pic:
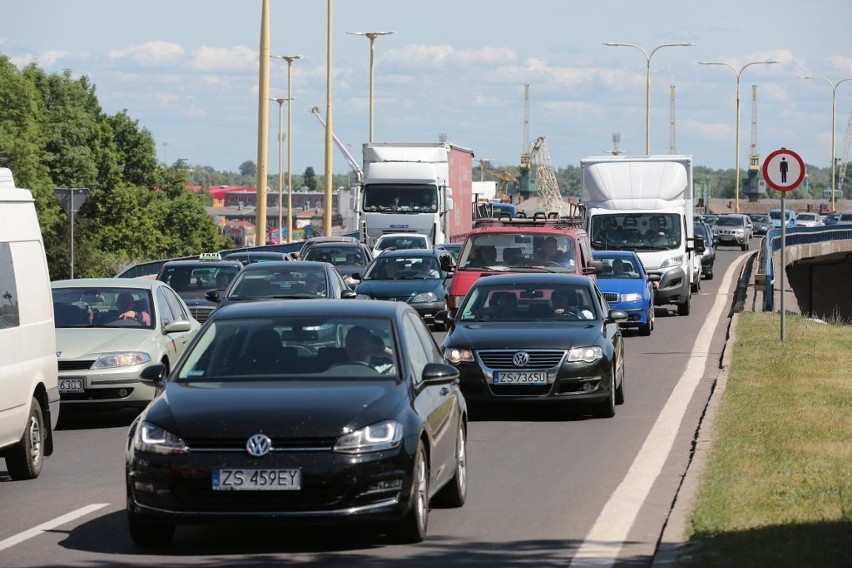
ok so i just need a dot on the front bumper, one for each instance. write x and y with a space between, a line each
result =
673 287
108 388
333 486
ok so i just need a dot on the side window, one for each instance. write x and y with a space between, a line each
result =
166 313
9 301
176 306
417 354
429 345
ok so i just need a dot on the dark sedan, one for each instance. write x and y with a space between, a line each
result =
538 336
193 279
348 258
419 277
262 420
284 280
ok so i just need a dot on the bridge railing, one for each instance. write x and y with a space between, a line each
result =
771 244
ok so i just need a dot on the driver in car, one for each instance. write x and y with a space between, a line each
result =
360 347
127 309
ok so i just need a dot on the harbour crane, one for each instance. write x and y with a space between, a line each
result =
359 174
550 197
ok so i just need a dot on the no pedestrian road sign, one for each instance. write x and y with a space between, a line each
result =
783 170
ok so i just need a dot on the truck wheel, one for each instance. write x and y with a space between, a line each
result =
684 308
24 459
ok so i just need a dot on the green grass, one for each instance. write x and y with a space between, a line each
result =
777 489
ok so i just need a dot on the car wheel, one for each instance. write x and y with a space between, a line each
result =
454 493
744 246
710 274
684 308
412 528
696 285
146 531
649 326
24 459
619 392
606 408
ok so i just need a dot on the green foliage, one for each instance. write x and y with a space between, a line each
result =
248 169
310 179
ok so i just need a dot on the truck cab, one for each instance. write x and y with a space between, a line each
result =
519 244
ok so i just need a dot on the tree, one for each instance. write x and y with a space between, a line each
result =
310 179
248 169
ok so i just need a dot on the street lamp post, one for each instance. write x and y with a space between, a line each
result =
648 57
738 73
833 122
281 102
372 37
289 59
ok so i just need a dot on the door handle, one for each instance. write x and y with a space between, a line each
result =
445 391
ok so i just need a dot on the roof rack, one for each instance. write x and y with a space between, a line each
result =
538 219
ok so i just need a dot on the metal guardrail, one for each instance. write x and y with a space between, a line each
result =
765 275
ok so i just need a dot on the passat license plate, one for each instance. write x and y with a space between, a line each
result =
72 384
520 378
257 479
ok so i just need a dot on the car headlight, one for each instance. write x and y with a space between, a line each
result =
585 354
374 438
123 359
456 356
424 298
673 261
631 297
153 439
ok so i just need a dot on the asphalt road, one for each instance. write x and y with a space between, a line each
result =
548 486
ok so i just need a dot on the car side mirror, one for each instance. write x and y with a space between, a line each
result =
212 296
439 373
445 317
654 277
616 316
154 375
593 267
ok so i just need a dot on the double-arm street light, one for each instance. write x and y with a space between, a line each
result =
833 121
372 37
648 56
289 59
738 73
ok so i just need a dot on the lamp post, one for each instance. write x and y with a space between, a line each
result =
289 59
738 73
281 102
372 37
833 121
648 56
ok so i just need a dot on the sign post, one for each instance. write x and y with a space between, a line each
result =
783 171
71 205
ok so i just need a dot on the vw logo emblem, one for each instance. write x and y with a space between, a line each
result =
259 445
521 359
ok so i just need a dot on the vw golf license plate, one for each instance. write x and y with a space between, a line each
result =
257 479
520 378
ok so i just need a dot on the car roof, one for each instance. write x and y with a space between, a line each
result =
198 262
614 253
533 278
336 244
316 308
409 253
286 265
144 283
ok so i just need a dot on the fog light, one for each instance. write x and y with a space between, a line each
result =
384 486
123 393
588 387
143 486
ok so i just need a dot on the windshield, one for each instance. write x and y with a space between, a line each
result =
197 279
636 231
345 348
401 242
775 214
279 283
504 250
400 198
730 221
337 255
403 268
544 302
103 307
621 268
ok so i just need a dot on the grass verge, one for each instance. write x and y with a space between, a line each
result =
777 488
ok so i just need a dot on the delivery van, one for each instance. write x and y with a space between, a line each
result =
29 390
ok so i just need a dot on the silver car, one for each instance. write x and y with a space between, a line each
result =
108 330
808 219
733 229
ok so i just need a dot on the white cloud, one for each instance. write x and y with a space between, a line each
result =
157 52
237 58
707 130
47 59
579 111
440 55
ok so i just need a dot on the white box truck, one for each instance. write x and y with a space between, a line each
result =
29 391
423 188
645 204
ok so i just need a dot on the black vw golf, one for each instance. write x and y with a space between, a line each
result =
303 410
538 336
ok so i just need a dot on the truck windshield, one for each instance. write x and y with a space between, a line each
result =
636 231
400 198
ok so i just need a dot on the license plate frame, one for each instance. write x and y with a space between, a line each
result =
535 378
72 385
256 479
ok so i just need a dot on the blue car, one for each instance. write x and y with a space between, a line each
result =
626 286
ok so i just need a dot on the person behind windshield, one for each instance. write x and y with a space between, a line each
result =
618 268
389 271
656 230
486 255
502 307
428 202
609 231
127 309
360 346
565 302
395 204
549 251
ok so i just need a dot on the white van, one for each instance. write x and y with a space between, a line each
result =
29 391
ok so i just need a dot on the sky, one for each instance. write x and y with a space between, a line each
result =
188 71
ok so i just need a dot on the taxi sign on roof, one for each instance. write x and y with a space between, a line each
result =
210 256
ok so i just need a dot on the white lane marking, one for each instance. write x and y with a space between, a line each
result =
49 525
605 539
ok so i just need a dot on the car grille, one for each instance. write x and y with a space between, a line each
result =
76 365
278 444
539 358
200 314
610 296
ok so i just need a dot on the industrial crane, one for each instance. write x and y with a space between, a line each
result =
504 178
545 178
359 174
